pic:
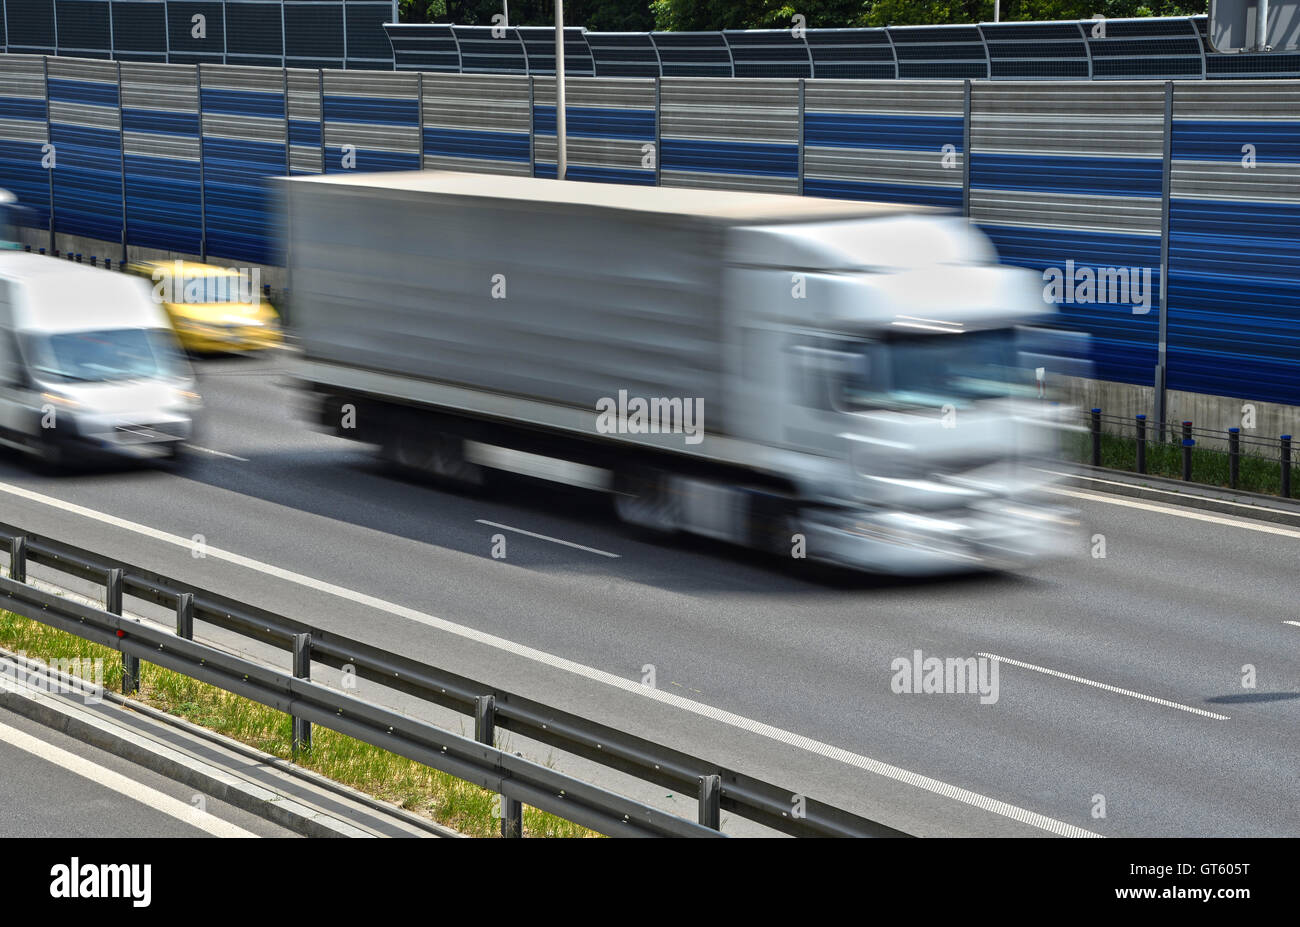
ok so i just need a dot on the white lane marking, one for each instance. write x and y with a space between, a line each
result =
1106 686
543 537
956 793
1172 510
150 797
208 450
1295 623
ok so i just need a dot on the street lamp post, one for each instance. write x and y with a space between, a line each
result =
561 155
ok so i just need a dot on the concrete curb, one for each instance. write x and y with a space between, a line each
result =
56 713
1191 495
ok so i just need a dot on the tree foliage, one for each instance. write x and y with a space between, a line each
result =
687 15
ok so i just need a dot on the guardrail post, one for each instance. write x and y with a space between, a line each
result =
301 670
1095 428
1141 444
185 615
1234 456
711 801
1286 466
113 604
485 732
18 559
1188 444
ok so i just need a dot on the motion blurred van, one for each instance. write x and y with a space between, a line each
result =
89 365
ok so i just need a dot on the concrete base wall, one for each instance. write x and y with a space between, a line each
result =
1214 413
88 247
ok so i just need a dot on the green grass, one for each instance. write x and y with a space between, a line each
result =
1210 467
387 776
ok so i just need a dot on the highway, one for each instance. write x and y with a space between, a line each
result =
1120 688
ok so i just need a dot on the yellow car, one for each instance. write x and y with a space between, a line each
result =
212 308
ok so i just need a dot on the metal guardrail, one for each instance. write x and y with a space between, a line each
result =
475 760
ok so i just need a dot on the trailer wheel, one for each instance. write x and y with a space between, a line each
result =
642 500
439 456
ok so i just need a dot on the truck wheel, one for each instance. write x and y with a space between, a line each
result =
773 524
642 499
439 456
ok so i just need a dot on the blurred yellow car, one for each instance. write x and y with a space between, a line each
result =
212 309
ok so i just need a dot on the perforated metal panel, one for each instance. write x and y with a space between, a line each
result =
24 130
477 123
730 135
896 141
371 121
610 131
306 138
161 147
1067 179
245 137
85 130
1234 240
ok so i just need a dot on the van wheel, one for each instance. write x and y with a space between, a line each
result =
642 499
51 455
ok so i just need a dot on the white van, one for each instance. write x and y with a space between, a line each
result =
89 364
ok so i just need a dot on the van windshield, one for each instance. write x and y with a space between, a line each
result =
112 354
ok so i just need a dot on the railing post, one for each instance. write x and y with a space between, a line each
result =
1286 466
1095 428
1188 444
18 559
1141 444
485 732
185 615
711 801
113 604
1234 456
301 670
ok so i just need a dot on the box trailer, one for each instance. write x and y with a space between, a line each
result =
827 379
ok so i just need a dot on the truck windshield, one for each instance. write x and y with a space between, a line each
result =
112 354
935 370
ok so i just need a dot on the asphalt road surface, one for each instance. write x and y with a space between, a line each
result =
55 786
1120 709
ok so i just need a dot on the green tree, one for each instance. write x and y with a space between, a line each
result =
596 15
681 15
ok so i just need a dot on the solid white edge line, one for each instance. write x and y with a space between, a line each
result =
208 450
1106 686
123 785
1295 623
1172 510
935 786
543 537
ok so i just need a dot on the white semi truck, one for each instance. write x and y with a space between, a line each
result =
834 380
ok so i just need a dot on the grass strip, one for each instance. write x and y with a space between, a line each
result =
1209 467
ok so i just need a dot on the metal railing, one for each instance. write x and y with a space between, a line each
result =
518 780
1144 432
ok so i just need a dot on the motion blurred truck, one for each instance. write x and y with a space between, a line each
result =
831 380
